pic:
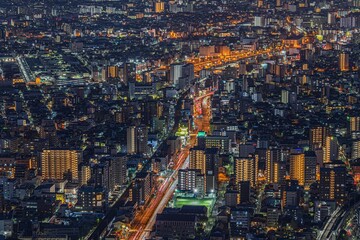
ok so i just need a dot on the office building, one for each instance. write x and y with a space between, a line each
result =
91 198
178 226
8 188
220 142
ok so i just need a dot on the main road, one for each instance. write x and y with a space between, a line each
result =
143 223
234 56
335 222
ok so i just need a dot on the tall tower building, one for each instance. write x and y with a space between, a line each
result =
297 168
245 170
355 149
285 96
137 139
331 18
275 167
318 136
260 157
333 183
142 139
344 62
244 191
84 174
211 169
131 140
354 124
181 74
128 72
197 159
331 149
159 7
141 188
56 163
118 165
310 168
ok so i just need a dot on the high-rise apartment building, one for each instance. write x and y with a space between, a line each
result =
119 166
355 149
344 62
211 169
331 149
297 168
159 7
131 142
245 170
354 124
181 75
137 140
310 168
191 180
275 168
197 159
333 183
141 188
318 136
84 174
55 163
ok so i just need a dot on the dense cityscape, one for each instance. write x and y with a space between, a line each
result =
180 119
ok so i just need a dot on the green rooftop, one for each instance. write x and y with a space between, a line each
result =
201 134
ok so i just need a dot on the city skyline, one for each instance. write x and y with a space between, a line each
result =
180 119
